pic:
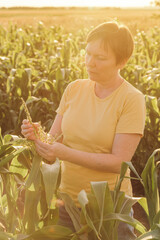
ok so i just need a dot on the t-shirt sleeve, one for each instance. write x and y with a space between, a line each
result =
132 118
64 101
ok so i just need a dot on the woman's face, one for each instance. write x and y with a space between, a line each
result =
100 62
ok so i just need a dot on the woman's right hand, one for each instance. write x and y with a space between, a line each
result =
29 130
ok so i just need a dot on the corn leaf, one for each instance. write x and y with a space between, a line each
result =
128 203
154 234
84 201
156 218
126 219
5 150
124 168
1 138
50 173
30 210
149 177
75 237
105 203
53 232
75 215
6 236
143 203
18 168
35 170
8 158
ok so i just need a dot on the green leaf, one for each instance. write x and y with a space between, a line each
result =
143 203
83 200
1 138
6 236
50 173
25 159
149 177
42 83
5 160
156 219
5 150
128 204
53 232
35 170
75 237
104 199
126 219
30 210
72 210
16 167
21 236
118 202
154 234
124 167
132 168
7 138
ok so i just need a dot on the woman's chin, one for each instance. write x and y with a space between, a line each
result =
91 77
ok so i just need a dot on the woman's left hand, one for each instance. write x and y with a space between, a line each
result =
47 151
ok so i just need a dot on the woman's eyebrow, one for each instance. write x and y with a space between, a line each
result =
97 54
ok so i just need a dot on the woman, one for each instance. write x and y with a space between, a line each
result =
101 118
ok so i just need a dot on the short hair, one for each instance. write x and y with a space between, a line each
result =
117 36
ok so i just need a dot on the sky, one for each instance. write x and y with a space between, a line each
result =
89 3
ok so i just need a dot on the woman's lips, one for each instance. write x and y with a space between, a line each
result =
90 71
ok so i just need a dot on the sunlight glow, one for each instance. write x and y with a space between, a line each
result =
89 3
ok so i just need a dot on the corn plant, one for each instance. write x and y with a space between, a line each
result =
101 212
40 180
150 203
102 209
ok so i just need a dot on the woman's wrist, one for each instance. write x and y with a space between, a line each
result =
60 150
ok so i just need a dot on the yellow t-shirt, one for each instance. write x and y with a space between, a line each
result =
90 124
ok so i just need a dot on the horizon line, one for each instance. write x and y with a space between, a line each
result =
72 6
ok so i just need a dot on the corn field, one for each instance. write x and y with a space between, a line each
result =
36 64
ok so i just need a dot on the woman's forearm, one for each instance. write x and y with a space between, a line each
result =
96 161
123 149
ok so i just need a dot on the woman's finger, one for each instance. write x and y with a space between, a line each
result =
26 126
41 146
42 151
27 130
36 125
40 143
25 121
27 133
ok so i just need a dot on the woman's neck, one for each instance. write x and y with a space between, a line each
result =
103 90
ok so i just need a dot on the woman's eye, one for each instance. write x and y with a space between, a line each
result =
101 58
